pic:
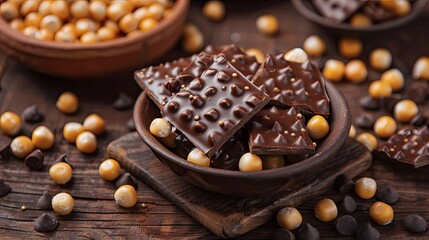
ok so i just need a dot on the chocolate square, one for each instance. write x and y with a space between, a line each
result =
290 84
279 132
338 10
211 108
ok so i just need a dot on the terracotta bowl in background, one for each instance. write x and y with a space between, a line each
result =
95 60
249 183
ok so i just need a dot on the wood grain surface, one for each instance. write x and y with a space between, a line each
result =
96 216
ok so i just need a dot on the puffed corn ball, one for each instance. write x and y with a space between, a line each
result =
296 55
250 162
360 20
214 10
63 203
198 157
42 137
394 78
381 213
326 210
365 187
109 169
352 132
289 218
267 24
405 110
10 123
355 71
71 130
126 196
314 46
385 126
333 70
9 10
258 54
350 47
380 59
86 142
317 127
94 123
379 89
61 173
368 140
21 146
160 127
192 40
421 69
68 103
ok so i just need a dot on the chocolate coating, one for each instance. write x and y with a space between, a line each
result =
32 115
230 153
308 232
338 10
45 201
45 223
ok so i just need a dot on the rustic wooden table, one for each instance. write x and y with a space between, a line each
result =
96 216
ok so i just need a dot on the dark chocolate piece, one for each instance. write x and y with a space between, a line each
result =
280 132
369 103
283 234
45 223
420 120
410 146
376 12
387 194
32 115
4 188
123 102
62 158
131 125
211 108
126 179
308 232
415 223
293 85
365 121
45 201
418 92
367 232
347 204
388 103
344 184
230 153
183 145
154 79
34 160
337 10
346 225
4 149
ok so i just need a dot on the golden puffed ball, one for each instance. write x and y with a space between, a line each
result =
388 4
192 40
155 11
30 31
71 130
109 169
116 11
360 20
385 126
9 10
140 14
17 24
214 10
317 127
267 24
94 123
355 71
67 102
29 7
106 33
21 146
250 162
60 8
63 203
86 142
334 70
379 89
380 59
350 47
365 187
368 140
128 23
45 35
89 38
297 55
272 161
134 33
61 173
65 36
169 141
97 10
79 9
126 196
10 123
381 213
51 23
314 46
33 19
402 8
352 132
112 25
394 78
42 137
44 7
326 210
85 25
289 218
196 156
405 110
421 69
147 24
258 54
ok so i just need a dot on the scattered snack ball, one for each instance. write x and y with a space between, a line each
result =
380 59
368 140
415 223
352 132
394 78
289 218
86 142
71 130
346 225
381 213
160 127
196 156
296 55
387 194
365 187
326 210
67 103
355 71
272 161
109 169
314 46
10 123
258 54
308 232
193 38
344 184
360 20
283 234
32 115
385 126
126 196
347 205
63 203
45 201
405 110
34 160
334 70
367 232
267 24
379 89
250 162
94 123
61 172
126 179
214 10
21 146
350 47
42 137
421 69
317 127
45 223
4 188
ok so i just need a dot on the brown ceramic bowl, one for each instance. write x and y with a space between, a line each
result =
307 10
95 60
249 183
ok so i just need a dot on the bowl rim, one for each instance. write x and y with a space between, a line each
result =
314 17
179 7
288 171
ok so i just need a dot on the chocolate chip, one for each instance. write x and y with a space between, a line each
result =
344 184
45 223
126 179
369 103
419 120
283 234
4 149
45 201
123 102
131 125
418 92
32 115
347 205
365 121
387 194
34 160
367 232
62 158
414 223
388 103
308 232
346 225
4 188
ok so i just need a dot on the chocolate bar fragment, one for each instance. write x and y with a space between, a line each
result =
289 84
279 132
376 12
410 146
337 10
211 108
153 79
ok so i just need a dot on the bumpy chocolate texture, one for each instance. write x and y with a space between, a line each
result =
153 79
410 146
214 106
280 132
338 10
293 85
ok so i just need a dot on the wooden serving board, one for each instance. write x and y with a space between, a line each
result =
229 216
